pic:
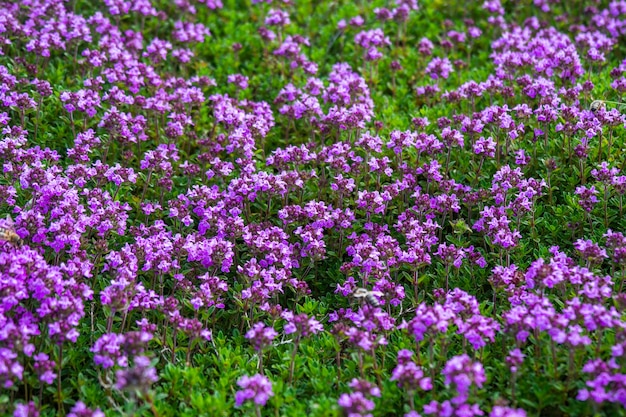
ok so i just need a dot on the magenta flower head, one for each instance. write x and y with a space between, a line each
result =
256 388
26 410
356 404
364 387
81 410
439 68
301 324
451 255
462 372
277 18
587 197
241 81
514 360
408 374
138 378
500 411
261 336
590 252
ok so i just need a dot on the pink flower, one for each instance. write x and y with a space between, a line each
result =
257 388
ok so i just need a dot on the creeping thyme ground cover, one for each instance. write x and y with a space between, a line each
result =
320 208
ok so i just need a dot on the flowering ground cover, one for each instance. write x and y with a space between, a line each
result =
320 208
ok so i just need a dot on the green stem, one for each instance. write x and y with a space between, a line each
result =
59 391
292 365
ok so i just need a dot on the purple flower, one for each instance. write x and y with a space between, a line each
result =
430 319
157 50
139 377
500 411
277 18
81 410
451 255
239 80
187 32
605 174
439 68
462 372
44 368
587 197
514 360
521 158
301 324
257 388
26 410
261 336
364 387
495 223
485 147
372 41
408 374
355 404
590 252
425 47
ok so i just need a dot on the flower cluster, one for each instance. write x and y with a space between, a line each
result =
164 201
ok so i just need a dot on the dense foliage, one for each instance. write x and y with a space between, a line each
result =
320 208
